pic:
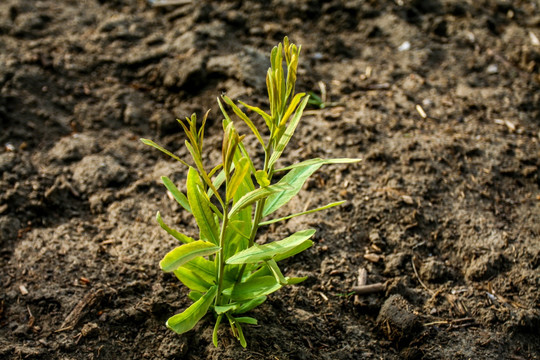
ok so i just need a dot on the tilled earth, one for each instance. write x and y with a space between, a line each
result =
441 100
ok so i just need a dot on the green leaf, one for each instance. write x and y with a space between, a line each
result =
251 304
302 213
253 288
303 246
218 181
176 234
162 149
271 94
296 280
287 135
200 205
184 253
292 106
195 295
201 171
237 330
192 280
262 178
256 195
222 309
245 118
246 320
266 252
241 335
216 328
276 271
267 118
291 72
205 269
294 178
177 194
263 270
240 173
214 170
185 321
319 161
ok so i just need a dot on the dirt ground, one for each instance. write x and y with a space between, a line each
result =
441 100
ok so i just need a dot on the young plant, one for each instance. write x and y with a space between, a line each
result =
227 272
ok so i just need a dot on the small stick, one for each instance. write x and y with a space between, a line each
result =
362 276
368 289
420 280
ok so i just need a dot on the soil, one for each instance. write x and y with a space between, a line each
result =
439 98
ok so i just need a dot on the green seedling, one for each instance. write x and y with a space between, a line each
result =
227 272
321 102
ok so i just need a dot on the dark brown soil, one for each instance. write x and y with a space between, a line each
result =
444 209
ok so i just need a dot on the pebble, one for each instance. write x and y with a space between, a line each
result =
404 46
492 69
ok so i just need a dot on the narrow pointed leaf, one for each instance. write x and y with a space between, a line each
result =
239 332
267 118
294 178
296 280
287 135
218 181
201 130
252 289
195 295
292 106
176 234
177 194
215 332
297 250
222 309
266 252
162 149
237 178
214 170
256 195
302 213
243 150
202 173
204 268
246 320
319 161
200 207
251 304
262 178
184 253
185 321
192 280
244 118
276 271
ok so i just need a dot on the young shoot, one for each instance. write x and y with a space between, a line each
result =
227 272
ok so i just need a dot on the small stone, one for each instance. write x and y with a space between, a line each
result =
372 257
407 199
492 69
90 330
23 290
406 45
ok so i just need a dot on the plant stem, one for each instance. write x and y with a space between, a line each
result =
221 253
259 207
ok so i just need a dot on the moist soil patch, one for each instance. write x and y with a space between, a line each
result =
441 100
